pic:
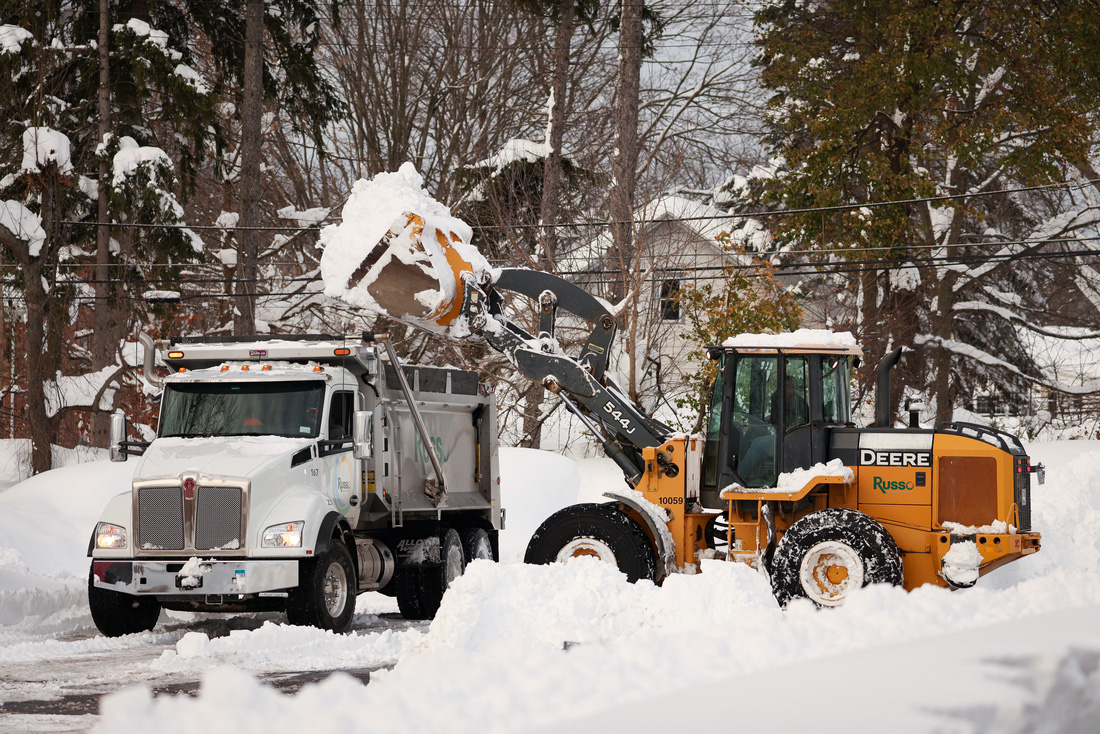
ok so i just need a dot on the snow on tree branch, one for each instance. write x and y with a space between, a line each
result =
24 224
1004 313
971 352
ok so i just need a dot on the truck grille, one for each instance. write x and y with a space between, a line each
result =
160 518
211 519
218 518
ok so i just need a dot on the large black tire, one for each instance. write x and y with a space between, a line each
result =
476 544
420 590
828 554
327 587
595 530
116 614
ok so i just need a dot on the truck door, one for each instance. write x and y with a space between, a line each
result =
341 476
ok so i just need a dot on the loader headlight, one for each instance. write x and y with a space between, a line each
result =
108 535
285 535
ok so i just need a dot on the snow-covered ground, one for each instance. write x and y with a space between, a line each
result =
576 648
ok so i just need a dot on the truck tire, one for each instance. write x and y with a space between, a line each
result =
828 554
420 590
325 597
116 614
476 544
594 530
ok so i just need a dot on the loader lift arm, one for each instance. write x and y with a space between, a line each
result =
580 381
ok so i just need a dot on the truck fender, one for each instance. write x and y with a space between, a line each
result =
656 527
328 528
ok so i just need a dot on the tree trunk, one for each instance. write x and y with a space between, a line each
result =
532 417
624 168
624 165
553 173
244 321
103 346
942 328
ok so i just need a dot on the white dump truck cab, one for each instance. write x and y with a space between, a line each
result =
292 474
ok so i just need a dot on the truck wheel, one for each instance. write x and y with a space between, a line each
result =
594 530
476 545
116 614
325 597
420 590
828 554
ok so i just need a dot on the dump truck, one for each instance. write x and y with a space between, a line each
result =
782 479
292 473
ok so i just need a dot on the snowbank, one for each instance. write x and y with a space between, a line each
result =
576 647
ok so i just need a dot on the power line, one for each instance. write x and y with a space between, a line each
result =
757 214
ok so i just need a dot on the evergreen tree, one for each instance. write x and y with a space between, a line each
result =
885 100
49 160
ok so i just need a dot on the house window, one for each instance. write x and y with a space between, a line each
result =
669 300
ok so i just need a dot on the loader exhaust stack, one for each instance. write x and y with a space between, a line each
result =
883 419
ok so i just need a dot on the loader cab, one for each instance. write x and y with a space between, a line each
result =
770 412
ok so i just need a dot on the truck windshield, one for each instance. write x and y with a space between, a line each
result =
193 409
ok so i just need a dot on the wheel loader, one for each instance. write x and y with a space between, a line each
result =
781 478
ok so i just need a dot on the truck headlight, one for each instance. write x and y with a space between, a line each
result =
108 535
286 535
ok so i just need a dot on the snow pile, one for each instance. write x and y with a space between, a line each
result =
48 519
43 145
273 646
801 337
400 253
575 647
793 481
534 485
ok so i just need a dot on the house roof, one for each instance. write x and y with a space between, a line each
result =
700 222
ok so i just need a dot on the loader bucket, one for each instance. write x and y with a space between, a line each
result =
401 253
407 280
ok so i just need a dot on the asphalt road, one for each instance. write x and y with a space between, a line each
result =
63 694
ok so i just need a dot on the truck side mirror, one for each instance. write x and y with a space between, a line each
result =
117 435
362 432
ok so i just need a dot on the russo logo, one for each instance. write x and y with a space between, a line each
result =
883 486
341 486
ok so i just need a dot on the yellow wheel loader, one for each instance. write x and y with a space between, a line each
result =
781 479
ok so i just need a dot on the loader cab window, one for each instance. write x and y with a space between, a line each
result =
836 384
795 409
714 427
752 432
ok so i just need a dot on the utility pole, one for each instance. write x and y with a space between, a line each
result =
244 321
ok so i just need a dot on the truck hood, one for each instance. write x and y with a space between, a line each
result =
236 456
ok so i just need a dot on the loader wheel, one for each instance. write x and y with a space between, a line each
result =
116 614
420 590
476 544
327 587
594 530
828 554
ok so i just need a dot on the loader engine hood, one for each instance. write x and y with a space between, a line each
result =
233 456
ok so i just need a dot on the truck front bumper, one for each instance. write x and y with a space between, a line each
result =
206 578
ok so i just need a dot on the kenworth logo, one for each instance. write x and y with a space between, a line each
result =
867 457
883 486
